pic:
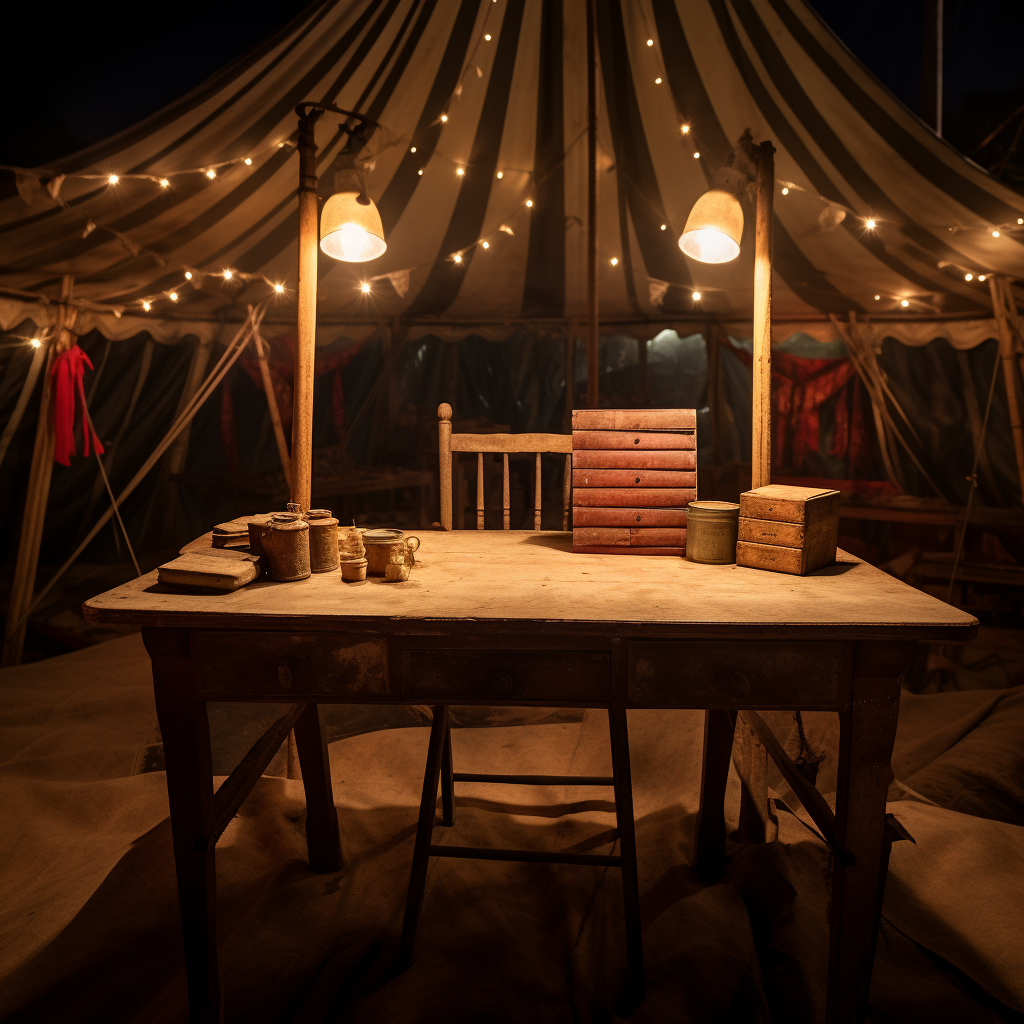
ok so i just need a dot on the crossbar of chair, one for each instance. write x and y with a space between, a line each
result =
527 856
536 780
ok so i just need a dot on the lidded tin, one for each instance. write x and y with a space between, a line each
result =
711 532
323 540
286 544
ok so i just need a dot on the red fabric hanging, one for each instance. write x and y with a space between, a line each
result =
67 373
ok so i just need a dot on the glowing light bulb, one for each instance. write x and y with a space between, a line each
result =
650 42
506 229
365 287
211 173
486 245
173 296
904 303
112 179
615 261
870 223
501 174
657 81
877 297
664 226
981 277
228 274
529 202
188 275
420 172
248 161
685 129
457 257
279 288
696 156
164 183
1020 220
696 296
35 343
995 234
413 149
785 191
488 37
444 119
968 277
147 305
460 171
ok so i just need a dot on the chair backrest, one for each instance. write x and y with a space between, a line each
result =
538 444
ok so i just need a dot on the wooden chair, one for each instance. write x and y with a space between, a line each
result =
439 766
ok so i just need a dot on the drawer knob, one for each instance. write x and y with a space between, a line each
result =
284 676
502 684
636 440
638 479
638 519
741 682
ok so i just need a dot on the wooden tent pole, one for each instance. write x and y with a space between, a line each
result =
305 342
275 412
1000 293
38 490
592 290
761 440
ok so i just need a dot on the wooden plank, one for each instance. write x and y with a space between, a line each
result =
633 497
787 504
634 419
761 409
787 535
605 549
654 440
630 477
610 536
633 517
665 459
531 443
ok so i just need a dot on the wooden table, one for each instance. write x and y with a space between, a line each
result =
517 619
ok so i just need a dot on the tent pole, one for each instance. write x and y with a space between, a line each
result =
592 292
305 342
761 440
38 489
999 289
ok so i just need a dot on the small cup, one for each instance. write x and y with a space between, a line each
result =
353 570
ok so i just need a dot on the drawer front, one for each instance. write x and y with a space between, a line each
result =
633 497
506 677
634 478
621 536
289 665
634 440
635 518
662 459
742 674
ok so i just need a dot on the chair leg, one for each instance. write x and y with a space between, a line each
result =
627 846
322 839
709 828
447 781
424 829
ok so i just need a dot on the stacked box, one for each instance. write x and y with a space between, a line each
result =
633 473
788 529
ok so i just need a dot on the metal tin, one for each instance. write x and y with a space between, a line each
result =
323 540
378 544
711 528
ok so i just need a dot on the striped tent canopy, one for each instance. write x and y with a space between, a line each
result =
479 170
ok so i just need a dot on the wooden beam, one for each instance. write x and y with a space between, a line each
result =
305 343
592 226
275 412
1000 293
761 440
38 490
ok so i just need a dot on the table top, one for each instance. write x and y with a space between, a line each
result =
469 581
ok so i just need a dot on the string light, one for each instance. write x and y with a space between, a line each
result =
460 171
112 179
870 223
785 191
248 161
696 296
968 277
981 277
365 287
995 234
650 42
413 149
279 288
173 296
488 37
685 129
1020 220
615 261
877 297
164 183
486 245
35 343
657 81
420 172
529 202
904 303
228 274
501 174
457 257
211 173
506 229
188 275
444 119
664 226
696 156
147 305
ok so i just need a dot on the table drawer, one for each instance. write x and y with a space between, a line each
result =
291 665
506 677
751 674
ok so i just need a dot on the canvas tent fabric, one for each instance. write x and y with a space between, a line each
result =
499 88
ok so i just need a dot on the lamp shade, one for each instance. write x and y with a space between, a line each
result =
350 231
714 228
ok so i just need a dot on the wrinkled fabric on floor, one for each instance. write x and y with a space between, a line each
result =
89 922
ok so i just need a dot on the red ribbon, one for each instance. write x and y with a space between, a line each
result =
67 373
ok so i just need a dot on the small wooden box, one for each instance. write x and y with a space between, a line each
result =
788 529
633 473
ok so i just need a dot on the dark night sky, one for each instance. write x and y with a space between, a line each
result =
88 70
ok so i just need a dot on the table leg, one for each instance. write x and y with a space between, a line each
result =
709 828
867 734
185 731
447 781
322 839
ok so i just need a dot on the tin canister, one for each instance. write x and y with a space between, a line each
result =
711 528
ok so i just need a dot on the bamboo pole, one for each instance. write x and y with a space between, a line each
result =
761 439
999 302
27 561
592 226
305 344
275 412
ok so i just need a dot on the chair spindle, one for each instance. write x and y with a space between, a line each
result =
479 490
504 493
566 492
536 496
